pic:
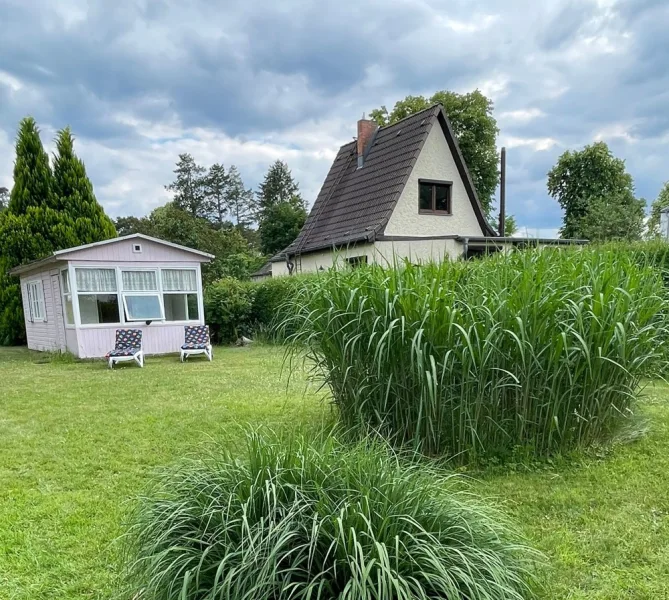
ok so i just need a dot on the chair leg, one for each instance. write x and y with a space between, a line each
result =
111 363
210 353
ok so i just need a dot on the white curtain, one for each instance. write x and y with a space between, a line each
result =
96 280
139 281
179 280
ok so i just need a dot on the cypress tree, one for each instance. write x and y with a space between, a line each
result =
47 211
73 193
32 174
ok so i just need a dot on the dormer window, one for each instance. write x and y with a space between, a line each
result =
434 197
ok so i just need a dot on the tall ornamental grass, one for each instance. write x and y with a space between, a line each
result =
318 520
530 353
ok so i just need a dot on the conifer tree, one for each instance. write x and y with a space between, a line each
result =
32 174
73 193
45 213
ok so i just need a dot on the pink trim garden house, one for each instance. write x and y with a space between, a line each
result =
75 299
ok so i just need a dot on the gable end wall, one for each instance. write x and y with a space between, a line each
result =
435 161
121 252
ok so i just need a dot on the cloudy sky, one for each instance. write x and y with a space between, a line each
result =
245 83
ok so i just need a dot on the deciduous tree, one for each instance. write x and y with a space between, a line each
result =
590 176
616 217
172 224
280 226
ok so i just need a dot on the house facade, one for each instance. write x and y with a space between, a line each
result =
397 192
75 299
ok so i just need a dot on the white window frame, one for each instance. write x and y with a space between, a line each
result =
156 266
197 291
75 295
35 297
125 293
64 295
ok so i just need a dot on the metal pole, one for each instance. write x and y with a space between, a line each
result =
502 194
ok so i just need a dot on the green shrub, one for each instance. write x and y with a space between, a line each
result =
535 352
234 308
319 521
272 301
228 305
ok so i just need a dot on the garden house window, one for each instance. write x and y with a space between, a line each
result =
36 300
67 296
141 299
97 296
434 197
180 294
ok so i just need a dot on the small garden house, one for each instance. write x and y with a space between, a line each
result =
75 299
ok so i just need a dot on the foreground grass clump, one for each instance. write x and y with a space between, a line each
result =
526 354
302 520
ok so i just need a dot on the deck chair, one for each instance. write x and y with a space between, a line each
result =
196 342
128 347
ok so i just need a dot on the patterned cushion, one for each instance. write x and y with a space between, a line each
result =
122 352
192 346
196 334
128 338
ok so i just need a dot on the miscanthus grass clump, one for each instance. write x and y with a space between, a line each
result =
527 354
318 520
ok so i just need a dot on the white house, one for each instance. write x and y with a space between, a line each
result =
397 191
76 298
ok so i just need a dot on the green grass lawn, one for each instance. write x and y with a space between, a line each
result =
78 442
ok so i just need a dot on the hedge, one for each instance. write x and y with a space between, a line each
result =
235 308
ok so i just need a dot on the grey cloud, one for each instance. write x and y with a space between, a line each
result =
248 71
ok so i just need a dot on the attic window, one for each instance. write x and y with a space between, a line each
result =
435 197
137 248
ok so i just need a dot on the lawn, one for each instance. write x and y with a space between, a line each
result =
78 441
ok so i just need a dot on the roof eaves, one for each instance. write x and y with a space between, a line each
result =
32 265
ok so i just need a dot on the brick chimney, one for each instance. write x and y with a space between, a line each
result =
366 130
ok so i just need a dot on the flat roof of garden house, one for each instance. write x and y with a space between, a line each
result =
65 253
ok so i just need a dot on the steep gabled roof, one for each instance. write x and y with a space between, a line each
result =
354 205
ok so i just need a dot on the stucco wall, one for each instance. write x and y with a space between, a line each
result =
434 162
384 253
315 260
418 251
